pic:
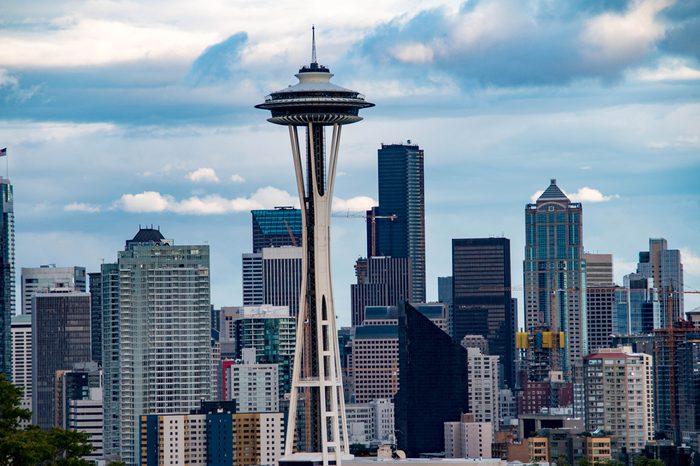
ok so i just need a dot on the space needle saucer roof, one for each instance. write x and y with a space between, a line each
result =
314 99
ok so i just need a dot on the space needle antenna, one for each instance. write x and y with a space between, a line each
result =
313 44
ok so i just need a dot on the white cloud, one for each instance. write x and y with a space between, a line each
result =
236 178
587 194
413 53
354 204
614 37
203 175
671 69
92 41
152 201
214 204
7 79
147 201
584 194
691 261
81 207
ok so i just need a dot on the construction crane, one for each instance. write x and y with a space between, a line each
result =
373 217
289 232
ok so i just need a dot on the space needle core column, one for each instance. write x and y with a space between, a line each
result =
314 103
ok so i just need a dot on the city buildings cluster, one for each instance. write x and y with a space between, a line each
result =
136 356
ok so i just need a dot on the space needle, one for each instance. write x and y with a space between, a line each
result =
314 103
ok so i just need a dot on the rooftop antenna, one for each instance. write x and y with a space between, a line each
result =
313 44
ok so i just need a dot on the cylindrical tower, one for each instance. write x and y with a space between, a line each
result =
314 103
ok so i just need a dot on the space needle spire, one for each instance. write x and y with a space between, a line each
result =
313 104
313 44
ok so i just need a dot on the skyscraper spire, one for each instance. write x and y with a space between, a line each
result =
313 44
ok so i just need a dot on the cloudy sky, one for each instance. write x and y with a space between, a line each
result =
125 113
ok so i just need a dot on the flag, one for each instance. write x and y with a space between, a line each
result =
3 152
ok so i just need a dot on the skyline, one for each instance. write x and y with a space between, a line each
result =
91 134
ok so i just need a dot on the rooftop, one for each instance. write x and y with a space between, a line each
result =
553 193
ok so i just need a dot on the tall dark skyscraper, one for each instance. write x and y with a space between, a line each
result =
7 275
432 384
554 281
60 338
95 279
402 193
481 296
276 227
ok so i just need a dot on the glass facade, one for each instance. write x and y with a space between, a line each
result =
432 383
276 227
555 282
402 193
7 275
60 339
481 301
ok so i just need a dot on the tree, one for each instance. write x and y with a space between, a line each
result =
584 462
31 445
644 461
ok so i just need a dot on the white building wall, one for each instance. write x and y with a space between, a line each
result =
22 357
483 386
255 387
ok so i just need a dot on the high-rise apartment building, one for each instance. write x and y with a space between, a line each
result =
599 269
664 269
554 281
60 339
481 296
619 396
401 194
22 357
274 228
163 335
48 277
381 281
109 273
432 386
483 387
7 274
95 281
254 386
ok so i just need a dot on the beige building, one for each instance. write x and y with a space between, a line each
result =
599 269
598 449
468 438
181 440
483 386
258 438
619 396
